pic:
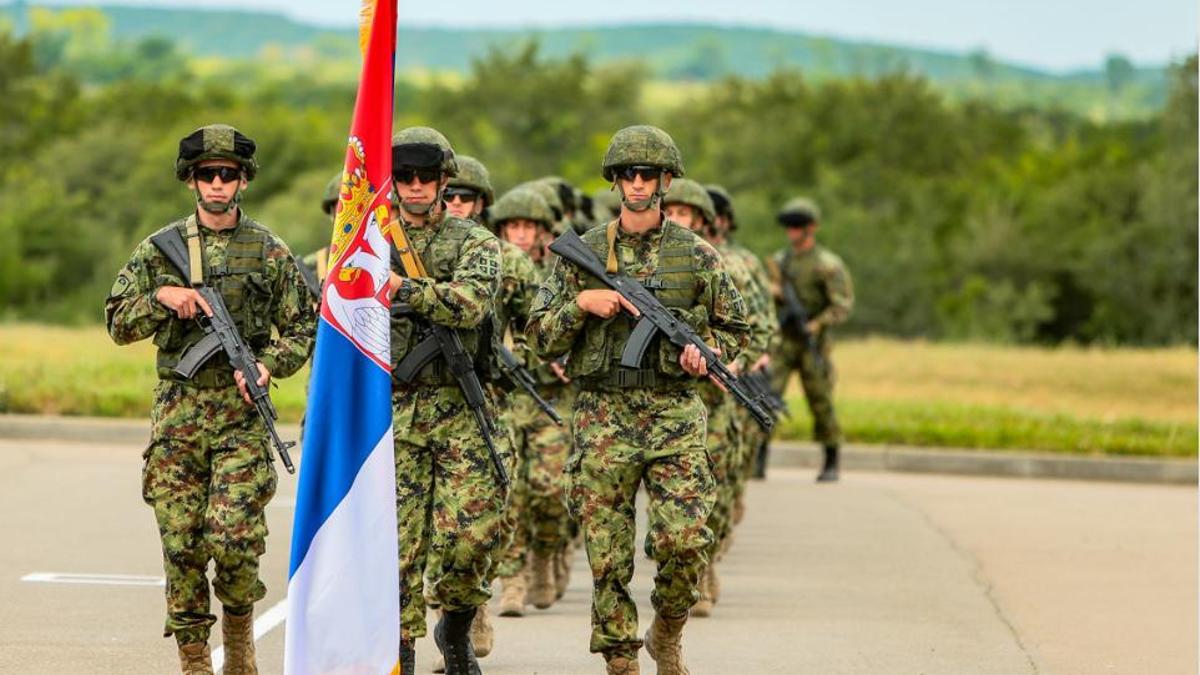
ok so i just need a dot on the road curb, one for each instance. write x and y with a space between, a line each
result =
855 457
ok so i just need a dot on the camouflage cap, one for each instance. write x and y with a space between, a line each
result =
423 147
333 190
798 212
473 174
688 191
521 203
215 141
642 145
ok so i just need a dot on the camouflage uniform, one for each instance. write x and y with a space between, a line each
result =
653 434
823 285
208 470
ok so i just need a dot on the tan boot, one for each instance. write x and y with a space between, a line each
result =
482 635
704 606
739 508
663 644
562 571
238 631
195 659
621 665
541 589
512 595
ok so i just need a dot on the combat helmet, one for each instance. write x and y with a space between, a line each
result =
550 194
523 203
474 175
722 202
566 192
642 145
333 191
688 191
215 141
799 212
423 147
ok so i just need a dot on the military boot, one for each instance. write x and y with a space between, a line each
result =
452 636
482 635
562 571
408 656
663 644
512 595
238 632
829 472
621 664
541 590
739 508
195 659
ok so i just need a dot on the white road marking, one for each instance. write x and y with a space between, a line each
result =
264 624
93 579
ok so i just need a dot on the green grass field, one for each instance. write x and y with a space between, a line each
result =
1071 400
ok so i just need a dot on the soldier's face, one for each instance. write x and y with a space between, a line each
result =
800 237
418 191
638 188
685 215
216 189
522 233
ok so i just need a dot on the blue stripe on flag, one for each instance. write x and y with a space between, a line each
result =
341 429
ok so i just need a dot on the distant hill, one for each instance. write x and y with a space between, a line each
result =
672 51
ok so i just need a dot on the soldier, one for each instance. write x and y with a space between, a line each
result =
640 425
208 471
469 192
753 438
448 498
315 264
523 219
689 204
814 293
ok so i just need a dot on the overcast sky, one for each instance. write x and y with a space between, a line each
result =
1051 34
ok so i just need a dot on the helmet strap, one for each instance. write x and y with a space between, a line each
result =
642 204
218 208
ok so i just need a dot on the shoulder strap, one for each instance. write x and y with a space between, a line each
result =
322 264
195 259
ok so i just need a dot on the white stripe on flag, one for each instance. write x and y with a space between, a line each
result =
344 596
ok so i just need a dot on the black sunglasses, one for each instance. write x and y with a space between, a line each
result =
648 173
466 195
228 174
404 175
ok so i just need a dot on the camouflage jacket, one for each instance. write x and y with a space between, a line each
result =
750 277
822 284
715 309
270 295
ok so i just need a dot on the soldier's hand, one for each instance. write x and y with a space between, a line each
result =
394 281
762 362
560 372
183 301
604 303
692 361
264 377
813 328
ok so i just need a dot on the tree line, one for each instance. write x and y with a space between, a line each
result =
959 219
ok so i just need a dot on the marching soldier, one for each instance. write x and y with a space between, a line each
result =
813 293
208 470
646 424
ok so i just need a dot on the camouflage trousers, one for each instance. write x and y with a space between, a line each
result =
511 557
818 380
750 438
623 440
548 447
449 503
208 475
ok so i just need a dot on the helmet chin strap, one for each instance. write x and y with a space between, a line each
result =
422 209
218 208
641 204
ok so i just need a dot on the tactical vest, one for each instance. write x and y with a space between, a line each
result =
440 257
595 360
242 283
803 272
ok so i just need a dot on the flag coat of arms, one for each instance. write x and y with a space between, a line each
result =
343 581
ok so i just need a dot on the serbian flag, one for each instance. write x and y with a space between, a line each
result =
343 583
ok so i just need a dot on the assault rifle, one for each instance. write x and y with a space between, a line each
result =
795 315
221 335
759 383
655 318
441 341
310 279
521 377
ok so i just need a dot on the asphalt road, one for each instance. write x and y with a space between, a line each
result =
882 573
